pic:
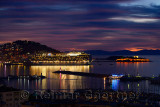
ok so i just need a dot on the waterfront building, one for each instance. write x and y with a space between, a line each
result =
10 97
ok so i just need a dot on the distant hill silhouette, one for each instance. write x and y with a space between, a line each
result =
123 52
25 47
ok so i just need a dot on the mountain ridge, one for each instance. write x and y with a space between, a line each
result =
123 52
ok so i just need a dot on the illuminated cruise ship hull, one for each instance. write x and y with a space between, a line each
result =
57 63
72 58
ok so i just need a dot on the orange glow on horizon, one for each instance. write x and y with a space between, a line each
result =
133 49
3 42
139 49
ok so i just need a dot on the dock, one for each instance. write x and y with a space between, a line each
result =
83 74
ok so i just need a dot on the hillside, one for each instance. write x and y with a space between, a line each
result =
23 47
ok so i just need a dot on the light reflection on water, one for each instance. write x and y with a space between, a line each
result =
53 80
71 82
115 84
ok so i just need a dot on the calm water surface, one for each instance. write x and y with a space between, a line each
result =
70 82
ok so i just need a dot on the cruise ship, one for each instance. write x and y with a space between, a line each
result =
71 58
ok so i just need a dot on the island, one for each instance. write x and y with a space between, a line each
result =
132 59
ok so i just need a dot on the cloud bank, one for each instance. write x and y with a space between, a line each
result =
82 24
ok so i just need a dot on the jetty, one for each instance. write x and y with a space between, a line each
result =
83 74
122 78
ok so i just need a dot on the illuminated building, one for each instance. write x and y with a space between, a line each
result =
132 59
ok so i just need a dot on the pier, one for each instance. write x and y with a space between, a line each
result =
83 74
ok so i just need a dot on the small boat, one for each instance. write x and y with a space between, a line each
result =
116 76
34 77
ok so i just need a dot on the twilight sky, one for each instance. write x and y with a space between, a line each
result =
82 24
